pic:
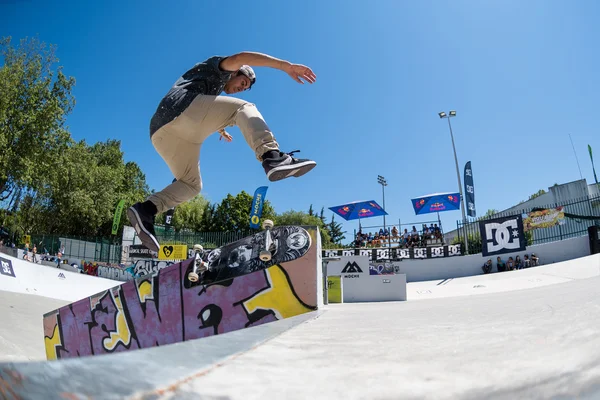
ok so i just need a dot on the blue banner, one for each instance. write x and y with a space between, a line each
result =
257 206
469 190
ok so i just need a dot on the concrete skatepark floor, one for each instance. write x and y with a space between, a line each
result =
532 343
536 342
21 331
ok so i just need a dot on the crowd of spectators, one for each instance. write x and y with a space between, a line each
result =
431 234
511 264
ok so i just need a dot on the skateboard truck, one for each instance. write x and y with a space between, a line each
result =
265 254
200 266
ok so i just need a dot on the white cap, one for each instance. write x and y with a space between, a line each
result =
249 72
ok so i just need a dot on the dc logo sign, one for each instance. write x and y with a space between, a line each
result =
502 235
6 267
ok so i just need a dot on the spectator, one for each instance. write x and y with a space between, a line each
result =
58 259
518 262
500 265
535 261
510 265
487 267
375 241
414 237
426 234
437 232
526 261
405 238
394 232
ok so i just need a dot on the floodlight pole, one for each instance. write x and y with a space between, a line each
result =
381 180
462 200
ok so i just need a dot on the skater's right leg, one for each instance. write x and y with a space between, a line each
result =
182 157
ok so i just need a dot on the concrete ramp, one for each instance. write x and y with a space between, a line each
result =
162 309
19 276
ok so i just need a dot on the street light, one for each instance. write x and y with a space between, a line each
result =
381 180
462 200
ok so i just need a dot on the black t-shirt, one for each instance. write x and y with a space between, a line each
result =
204 78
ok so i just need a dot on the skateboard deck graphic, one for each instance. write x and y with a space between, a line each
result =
244 256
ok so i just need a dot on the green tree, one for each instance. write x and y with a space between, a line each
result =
489 213
335 231
322 215
537 194
474 242
233 213
79 196
187 215
34 103
207 220
301 218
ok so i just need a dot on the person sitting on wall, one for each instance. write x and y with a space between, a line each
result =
535 261
518 262
526 261
500 265
487 267
510 264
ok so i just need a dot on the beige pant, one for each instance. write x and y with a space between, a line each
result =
179 142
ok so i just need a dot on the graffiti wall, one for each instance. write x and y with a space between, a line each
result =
164 308
149 266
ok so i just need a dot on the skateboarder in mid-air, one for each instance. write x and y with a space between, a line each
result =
192 110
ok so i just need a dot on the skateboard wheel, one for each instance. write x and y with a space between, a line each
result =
193 277
265 255
198 247
267 224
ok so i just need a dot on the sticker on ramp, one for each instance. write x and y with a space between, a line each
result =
172 252
6 267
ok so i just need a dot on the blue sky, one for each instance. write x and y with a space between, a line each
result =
521 75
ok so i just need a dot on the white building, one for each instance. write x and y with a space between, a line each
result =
579 197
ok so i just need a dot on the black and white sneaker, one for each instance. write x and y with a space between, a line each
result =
143 223
283 165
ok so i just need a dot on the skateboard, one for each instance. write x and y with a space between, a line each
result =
274 245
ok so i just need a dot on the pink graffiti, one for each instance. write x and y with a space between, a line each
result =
168 312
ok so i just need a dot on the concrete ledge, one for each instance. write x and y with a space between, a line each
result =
145 372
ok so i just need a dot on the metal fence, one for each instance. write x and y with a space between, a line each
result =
206 239
586 210
82 248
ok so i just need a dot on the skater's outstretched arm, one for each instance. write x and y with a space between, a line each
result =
296 71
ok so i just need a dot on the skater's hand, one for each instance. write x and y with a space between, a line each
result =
299 72
225 135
